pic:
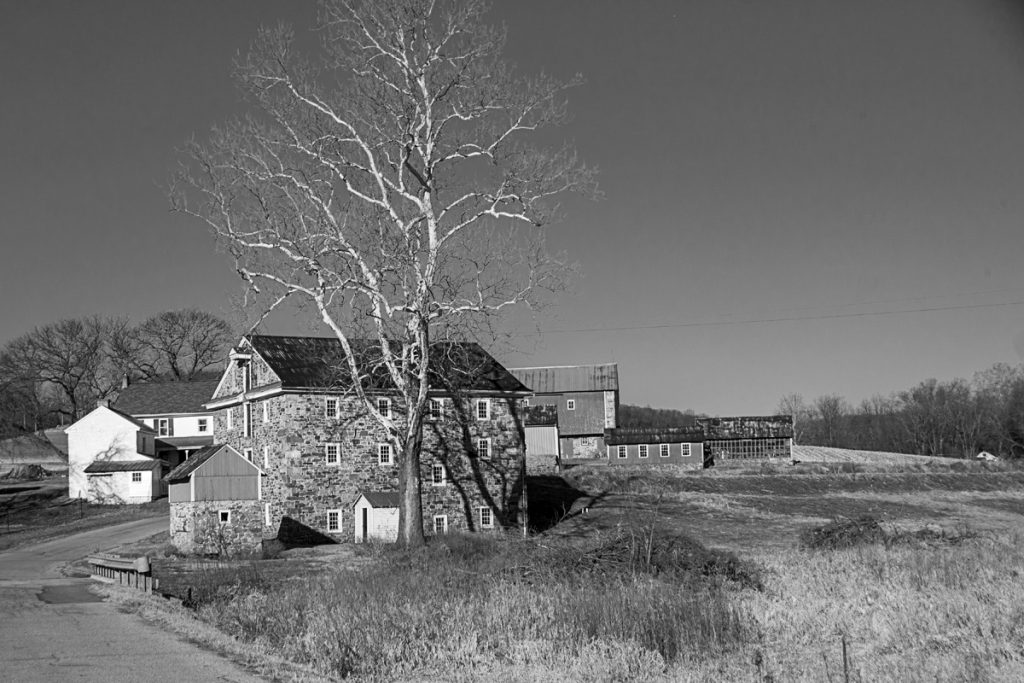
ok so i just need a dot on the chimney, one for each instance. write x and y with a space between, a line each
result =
103 403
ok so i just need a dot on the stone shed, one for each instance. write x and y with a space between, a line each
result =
216 505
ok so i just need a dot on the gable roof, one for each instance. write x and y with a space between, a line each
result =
380 499
141 426
104 466
319 363
563 378
623 436
183 471
165 398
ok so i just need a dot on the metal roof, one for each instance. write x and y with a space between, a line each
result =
181 442
381 499
319 363
165 398
182 471
565 378
653 435
103 466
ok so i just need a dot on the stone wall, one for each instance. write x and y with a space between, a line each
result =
299 483
196 527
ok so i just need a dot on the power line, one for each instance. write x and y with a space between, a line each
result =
832 316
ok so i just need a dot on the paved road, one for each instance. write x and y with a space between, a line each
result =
53 629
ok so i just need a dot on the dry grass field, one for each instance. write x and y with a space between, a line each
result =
676 576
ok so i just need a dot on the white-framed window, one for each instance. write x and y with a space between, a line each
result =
136 476
621 452
643 450
438 475
334 520
332 453
163 426
266 457
436 409
202 425
483 448
440 524
483 409
486 517
266 411
247 452
384 453
247 417
570 404
526 401
384 406
229 418
663 450
224 516
266 514
684 450
331 407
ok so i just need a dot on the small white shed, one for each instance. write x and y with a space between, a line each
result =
376 516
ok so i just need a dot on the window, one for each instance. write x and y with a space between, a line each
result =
384 406
266 411
436 409
331 408
440 524
247 425
136 476
384 453
483 409
684 450
486 517
621 452
248 454
228 416
266 457
266 514
225 516
163 426
334 520
332 452
203 425
570 404
526 402
438 475
643 450
663 450
483 448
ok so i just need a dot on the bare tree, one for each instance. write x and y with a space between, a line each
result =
831 410
175 344
803 414
390 185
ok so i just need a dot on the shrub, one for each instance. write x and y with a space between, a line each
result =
844 533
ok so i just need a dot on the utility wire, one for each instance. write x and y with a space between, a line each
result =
832 316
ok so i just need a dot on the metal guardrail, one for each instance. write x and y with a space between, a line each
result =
132 573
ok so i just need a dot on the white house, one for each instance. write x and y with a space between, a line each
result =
174 410
112 459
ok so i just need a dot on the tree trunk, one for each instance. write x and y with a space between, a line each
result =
410 511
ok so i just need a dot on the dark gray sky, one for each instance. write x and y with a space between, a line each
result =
806 162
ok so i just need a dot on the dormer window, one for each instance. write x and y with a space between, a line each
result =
384 407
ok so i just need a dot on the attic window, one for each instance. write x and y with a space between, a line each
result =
384 407
570 404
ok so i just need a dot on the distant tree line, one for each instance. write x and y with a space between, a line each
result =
952 418
57 372
646 416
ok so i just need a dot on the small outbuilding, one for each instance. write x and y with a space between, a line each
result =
215 500
677 446
376 516
123 481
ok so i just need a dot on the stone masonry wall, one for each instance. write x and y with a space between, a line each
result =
290 446
196 527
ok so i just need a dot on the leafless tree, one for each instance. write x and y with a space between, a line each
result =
831 411
803 414
390 184
175 345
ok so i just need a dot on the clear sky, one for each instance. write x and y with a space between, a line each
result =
804 163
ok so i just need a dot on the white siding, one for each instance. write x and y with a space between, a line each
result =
185 426
105 435
381 523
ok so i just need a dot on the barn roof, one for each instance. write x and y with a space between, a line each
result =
165 398
748 427
651 435
540 416
104 466
193 462
564 378
319 362
381 499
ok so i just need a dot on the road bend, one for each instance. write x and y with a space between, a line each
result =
52 628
